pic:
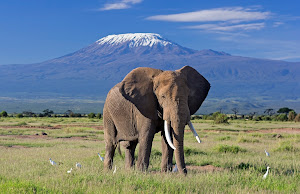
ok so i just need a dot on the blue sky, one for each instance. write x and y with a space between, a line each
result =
37 30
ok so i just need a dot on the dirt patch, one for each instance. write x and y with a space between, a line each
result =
279 130
207 168
283 130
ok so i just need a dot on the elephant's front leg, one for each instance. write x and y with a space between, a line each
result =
145 146
167 154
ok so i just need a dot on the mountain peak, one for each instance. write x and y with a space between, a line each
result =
134 40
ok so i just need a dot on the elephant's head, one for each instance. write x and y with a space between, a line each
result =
176 94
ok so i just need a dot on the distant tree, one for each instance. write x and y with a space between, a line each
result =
28 113
285 110
235 111
269 111
99 116
3 114
91 115
252 114
69 113
291 116
47 112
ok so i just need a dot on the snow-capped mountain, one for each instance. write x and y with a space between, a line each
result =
91 71
134 40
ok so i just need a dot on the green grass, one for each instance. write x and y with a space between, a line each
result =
235 150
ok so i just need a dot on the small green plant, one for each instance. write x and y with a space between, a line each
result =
247 140
228 148
224 138
192 151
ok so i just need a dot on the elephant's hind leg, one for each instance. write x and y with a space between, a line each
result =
110 133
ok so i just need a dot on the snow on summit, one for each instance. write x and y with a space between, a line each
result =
134 39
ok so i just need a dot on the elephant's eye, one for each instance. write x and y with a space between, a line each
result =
163 96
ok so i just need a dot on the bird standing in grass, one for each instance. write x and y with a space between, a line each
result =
267 153
78 165
69 171
266 174
52 162
115 170
101 158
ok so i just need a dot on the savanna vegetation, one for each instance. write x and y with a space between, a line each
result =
230 159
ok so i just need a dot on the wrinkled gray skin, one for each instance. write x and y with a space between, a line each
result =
135 109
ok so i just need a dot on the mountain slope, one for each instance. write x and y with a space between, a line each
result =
90 72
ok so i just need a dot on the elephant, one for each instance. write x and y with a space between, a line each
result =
148 101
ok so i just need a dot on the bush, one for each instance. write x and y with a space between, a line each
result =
297 118
291 116
227 148
281 117
3 114
221 118
19 115
91 115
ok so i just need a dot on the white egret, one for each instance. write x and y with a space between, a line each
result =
101 158
266 174
69 171
52 162
267 153
175 169
115 170
78 165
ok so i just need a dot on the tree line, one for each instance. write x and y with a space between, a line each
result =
50 113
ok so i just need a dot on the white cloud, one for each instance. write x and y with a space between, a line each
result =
230 14
123 4
227 28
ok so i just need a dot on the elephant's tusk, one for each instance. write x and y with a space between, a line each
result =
168 137
194 131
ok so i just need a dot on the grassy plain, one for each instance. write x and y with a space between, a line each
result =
231 159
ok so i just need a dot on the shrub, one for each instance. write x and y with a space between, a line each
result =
99 116
221 118
281 117
19 115
291 116
91 115
227 148
297 118
3 114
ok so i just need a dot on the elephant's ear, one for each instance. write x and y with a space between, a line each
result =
137 87
198 86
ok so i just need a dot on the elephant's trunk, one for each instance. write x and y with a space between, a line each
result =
178 136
